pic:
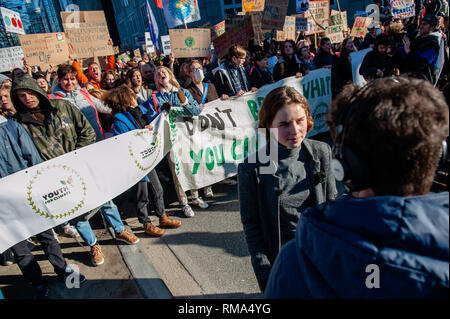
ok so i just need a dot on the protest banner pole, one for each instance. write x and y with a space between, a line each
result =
339 6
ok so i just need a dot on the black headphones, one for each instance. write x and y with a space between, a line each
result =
349 165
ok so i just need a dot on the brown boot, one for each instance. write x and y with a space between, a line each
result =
152 230
166 222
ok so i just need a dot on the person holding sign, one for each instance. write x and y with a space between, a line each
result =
271 202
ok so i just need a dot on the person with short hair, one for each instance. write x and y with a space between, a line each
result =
377 63
230 78
389 237
271 203
259 73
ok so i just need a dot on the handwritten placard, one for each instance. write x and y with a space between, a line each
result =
239 35
274 14
11 58
192 43
288 32
44 49
89 36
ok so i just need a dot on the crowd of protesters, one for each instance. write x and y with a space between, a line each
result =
125 96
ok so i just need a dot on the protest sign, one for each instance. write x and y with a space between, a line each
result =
335 33
403 9
318 16
137 53
301 24
179 12
43 49
209 147
360 27
274 14
339 18
252 5
217 30
11 58
239 34
124 57
89 37
258 32
116 50
12 21
58 190
356 61
288 32
150 48
165 39
193 43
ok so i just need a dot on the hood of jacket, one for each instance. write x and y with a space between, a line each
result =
25 82
66 94
407 238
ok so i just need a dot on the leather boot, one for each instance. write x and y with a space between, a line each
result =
166 222
152 230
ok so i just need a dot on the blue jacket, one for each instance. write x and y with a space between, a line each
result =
17 150
124 122
407 238
191 108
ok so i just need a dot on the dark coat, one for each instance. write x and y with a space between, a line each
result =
286 68
198 96
259 203
374 61
259 78
406 238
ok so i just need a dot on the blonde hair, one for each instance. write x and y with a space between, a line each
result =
172 79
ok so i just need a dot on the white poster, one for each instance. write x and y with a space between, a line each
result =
165 39
11 21
148 43
209 147
11 58
357 59
180 12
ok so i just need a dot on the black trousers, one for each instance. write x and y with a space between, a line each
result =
28 264
146 193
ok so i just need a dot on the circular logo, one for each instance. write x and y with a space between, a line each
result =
59 37
56 191
7 21
145 156
318 116
190 42
180 9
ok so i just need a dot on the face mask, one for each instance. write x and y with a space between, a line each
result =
198 75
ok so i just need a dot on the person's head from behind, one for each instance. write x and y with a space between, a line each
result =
287 111
237 55
325 44
165 78
396 127
94 71
260 60
196 71
67 77
120 98
109 79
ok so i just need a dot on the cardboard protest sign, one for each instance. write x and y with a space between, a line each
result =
360 27
252 5
335 33
43 49
339 18
288 32
124 57
258 32
12 21
318 16
274 14
11 58
137 53
192 43
403 9
217 30
90 35
239 34
165 40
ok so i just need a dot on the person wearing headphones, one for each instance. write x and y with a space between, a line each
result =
389 237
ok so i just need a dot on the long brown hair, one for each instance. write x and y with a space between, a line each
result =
119 98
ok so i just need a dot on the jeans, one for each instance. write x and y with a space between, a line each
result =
28 264
111 214
146 193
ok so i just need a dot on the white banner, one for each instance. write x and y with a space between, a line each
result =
357 59
150 47
221 136
179 12
165 40
46 195
11 58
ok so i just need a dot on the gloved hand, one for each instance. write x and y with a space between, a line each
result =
181 96
166 106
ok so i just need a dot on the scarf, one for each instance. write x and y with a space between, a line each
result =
137 115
